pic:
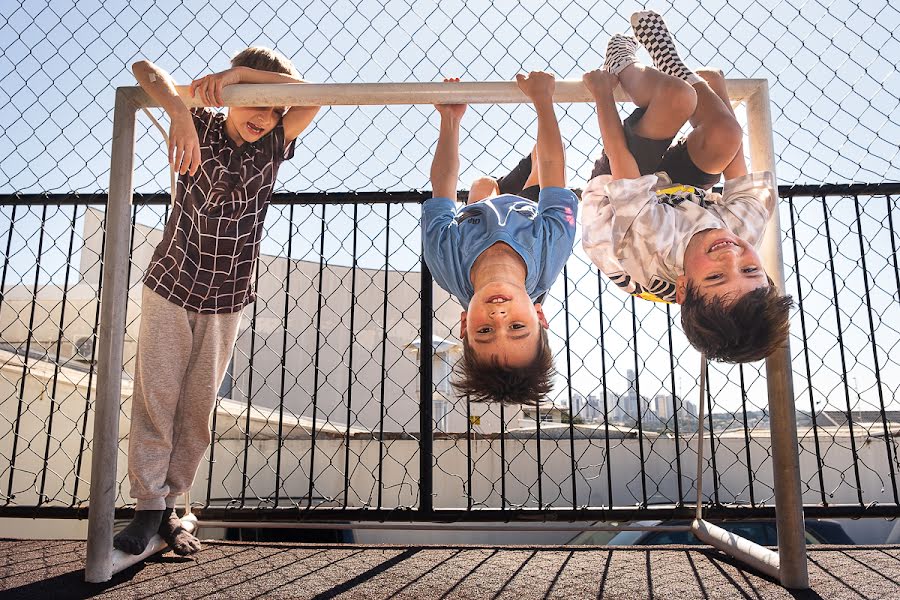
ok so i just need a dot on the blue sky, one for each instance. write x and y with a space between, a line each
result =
832 67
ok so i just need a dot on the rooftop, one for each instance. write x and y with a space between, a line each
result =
54 569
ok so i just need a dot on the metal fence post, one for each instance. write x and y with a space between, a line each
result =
114 303
782 414
426 394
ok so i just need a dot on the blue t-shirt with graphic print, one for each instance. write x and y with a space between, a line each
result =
542 233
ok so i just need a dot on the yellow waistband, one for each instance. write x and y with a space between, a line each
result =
676 189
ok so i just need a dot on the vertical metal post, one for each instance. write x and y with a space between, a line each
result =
288 266
637 395
823 498
607 459
747 455
573 466
502 456
701 408
469 460
793 569
98 564
712 439
426 394
384 340
247 421
676 405
351 375
315 395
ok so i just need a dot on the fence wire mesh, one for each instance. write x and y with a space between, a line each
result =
321 405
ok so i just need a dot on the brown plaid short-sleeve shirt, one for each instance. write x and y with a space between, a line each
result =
205 261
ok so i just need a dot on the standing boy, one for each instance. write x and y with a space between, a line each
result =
200 278
498 256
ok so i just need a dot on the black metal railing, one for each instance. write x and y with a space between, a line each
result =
325 416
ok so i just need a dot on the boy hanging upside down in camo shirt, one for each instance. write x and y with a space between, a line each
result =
200 278
649 222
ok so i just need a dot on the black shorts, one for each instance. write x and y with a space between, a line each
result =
653 156
512 182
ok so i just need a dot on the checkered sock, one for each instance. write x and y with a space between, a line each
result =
652 33
620 52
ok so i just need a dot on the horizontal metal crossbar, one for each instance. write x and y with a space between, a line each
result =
380 94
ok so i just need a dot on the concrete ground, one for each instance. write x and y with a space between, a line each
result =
54 569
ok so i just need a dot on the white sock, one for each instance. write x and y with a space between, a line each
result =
620 52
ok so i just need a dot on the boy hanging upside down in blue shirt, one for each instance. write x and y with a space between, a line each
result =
498 255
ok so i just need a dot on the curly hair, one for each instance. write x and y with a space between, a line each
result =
749 329
489 381
264 59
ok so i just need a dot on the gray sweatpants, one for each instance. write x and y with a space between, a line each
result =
182 357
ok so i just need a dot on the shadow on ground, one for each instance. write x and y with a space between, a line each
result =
54 569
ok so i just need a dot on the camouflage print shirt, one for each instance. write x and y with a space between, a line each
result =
636 230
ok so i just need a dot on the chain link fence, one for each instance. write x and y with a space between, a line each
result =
321 407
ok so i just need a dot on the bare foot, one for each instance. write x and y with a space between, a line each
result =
176 536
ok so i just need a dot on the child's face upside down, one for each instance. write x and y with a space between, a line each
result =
503 322
721 264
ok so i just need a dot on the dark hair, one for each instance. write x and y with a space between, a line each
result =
264 59
749 329
489 381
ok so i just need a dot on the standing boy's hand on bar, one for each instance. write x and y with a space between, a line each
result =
210 86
